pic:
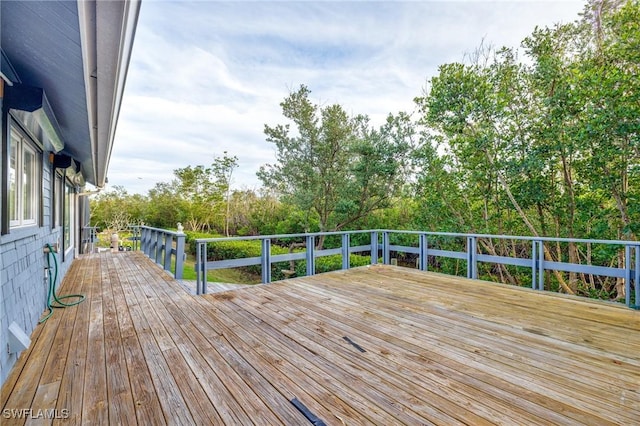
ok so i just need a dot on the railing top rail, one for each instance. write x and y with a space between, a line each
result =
277 236
164 231
440 234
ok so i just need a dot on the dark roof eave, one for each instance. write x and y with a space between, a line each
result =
107 31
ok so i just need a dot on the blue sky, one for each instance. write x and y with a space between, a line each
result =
206 76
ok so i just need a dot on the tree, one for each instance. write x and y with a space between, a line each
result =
222 169
546 147
164 208
332 166
202 192
115 210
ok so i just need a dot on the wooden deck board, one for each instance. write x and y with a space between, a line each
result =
438 350
494 371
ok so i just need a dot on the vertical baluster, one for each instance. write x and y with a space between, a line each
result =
346 264
424 252
374 248
310 255
472 263
265 260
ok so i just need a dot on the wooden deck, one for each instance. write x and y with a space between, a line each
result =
375 345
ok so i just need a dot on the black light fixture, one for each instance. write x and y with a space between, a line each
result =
63 161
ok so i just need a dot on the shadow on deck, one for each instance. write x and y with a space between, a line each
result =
372 345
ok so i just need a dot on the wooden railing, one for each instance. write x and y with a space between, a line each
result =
379 246
165 247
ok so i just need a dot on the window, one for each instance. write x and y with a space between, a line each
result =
57 200
69 218
24 166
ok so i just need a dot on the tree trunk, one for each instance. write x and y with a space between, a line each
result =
529 225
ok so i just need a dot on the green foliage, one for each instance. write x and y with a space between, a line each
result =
231 275
204 195
224 250
331 263
335 168
548 148
192 236
539 141
115 210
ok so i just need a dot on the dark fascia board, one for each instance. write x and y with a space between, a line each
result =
30 106
7 73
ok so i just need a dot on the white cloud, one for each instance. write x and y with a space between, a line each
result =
206 76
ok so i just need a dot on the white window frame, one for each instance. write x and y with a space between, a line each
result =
68 221
21 146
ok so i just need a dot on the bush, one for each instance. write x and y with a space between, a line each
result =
190 241
331 263
223 250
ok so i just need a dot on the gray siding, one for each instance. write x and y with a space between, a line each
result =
23 285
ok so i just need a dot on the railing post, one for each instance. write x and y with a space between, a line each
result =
540 265
627 275
346 264
160 245
636 278
534 264
374 248
201 268
198 266
424 249
310 255
180 257
265 260
472 261
386 254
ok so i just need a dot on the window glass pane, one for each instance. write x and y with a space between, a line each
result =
13 162
67 217
57 201
29 185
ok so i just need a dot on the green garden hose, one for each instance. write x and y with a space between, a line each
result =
52 288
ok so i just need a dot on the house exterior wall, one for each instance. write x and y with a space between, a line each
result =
76 121
23 280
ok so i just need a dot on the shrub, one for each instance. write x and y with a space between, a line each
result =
331 263
223 250
190 241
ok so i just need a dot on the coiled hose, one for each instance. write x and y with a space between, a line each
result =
52 289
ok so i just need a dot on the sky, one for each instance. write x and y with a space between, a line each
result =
206 76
